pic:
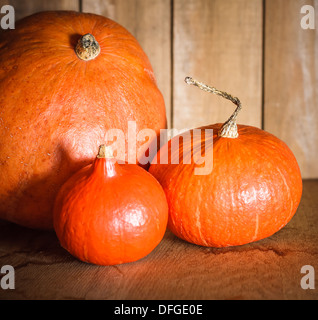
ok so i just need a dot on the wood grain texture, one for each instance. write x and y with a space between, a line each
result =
291 81
220 44
267 269
28 7
149 22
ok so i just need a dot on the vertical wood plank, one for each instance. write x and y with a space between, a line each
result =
218 43
149 21
28 7
291 81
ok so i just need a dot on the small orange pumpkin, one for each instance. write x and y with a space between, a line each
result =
253 191
110 213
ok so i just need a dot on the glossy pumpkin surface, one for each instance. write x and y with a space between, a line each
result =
110 213
55 108
253 191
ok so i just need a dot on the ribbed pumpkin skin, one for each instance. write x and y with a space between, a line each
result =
110 213
253 191
55 109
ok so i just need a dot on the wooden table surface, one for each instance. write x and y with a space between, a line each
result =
267 269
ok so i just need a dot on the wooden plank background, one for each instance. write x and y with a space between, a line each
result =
291 81
253 49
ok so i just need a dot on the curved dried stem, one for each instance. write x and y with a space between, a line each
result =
229 128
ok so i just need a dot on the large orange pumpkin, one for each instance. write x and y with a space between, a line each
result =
252 190
56 104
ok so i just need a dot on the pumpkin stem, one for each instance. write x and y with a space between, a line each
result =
229 128
87 48
105 152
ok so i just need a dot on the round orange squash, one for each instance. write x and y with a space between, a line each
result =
252 191
66 78
109 213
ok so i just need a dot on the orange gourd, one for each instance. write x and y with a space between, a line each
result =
66 78
253 190
110 213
